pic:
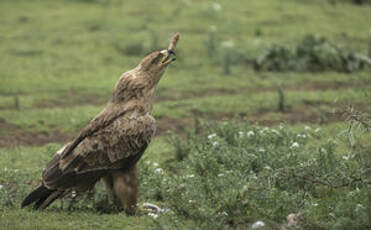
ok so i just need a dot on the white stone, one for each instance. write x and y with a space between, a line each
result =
190 176
159 170
227 44
211 136
153 215
258 224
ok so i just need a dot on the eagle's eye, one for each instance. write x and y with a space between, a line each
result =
157 58
162 58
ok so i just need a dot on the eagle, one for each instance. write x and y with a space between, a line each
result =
111 144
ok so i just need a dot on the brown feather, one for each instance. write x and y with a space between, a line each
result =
174 41
114 140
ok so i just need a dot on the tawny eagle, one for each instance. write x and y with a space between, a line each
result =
111 144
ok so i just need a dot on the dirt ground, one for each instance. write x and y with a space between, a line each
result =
12 135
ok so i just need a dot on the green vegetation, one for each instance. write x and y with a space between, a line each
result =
311 54
237 174
61 59
225 176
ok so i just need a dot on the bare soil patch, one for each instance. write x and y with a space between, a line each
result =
266 118
309 86
294 117
72 99
179 126
12 135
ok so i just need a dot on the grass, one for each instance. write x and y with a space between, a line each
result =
62 220
61 59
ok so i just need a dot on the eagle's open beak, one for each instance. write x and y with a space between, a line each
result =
168 57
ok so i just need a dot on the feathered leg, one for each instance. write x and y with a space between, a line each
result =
125 187
108 184
55 195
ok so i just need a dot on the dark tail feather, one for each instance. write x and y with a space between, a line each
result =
41 193
40 201
52 197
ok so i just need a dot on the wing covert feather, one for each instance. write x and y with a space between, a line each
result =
117 146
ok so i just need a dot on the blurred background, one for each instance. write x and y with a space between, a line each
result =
264 61
304 63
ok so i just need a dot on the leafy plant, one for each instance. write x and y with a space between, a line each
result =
239 173
232 174
313 53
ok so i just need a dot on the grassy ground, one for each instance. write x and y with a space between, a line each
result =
61 59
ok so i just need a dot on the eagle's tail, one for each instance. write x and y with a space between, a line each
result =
42 196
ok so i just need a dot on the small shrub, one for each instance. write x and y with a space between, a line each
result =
258 32
182 147
229 56
281 100
275 58
223 53
313 53
237 174
211 43
360 2
232 174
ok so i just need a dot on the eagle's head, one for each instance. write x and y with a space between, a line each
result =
155 63
142 80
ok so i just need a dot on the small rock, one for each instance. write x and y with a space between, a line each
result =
152 208
153 215
258 224
291 219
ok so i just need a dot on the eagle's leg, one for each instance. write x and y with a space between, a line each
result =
108 184
125 187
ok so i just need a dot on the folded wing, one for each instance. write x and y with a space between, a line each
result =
117 146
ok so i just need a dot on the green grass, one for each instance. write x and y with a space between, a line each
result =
225 169
61 59
19 219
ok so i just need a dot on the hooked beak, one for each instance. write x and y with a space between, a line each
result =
168 57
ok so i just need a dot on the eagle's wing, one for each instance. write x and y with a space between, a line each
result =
100 121
109 114
119 145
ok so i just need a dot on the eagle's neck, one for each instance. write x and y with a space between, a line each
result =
134 91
